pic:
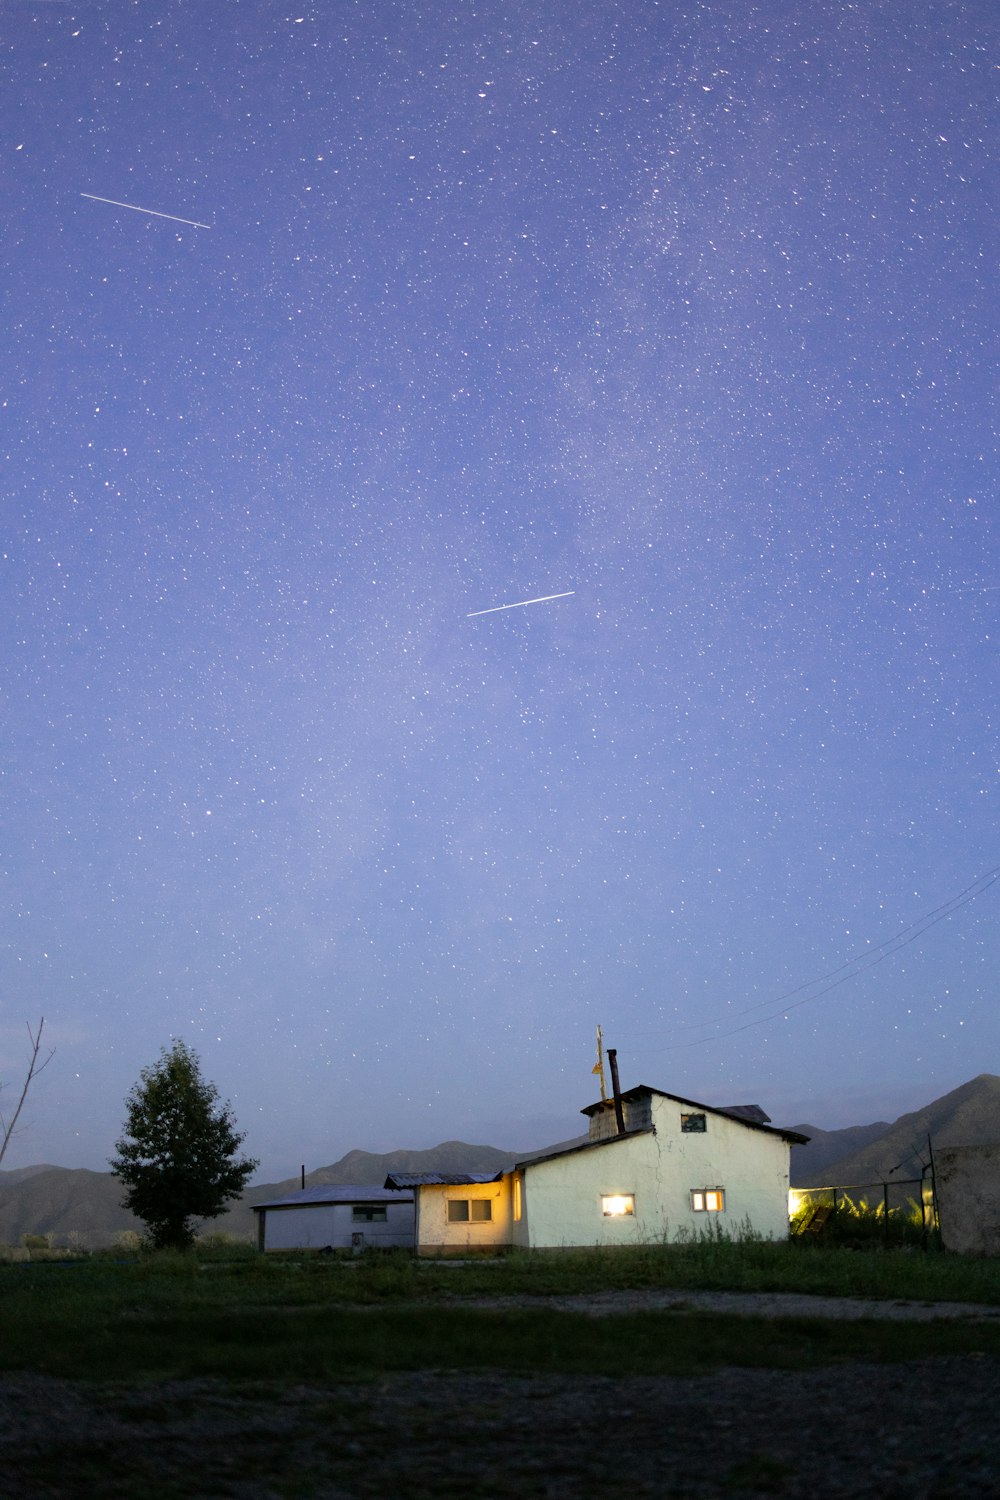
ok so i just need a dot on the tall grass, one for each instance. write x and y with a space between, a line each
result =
251 1316
168 1318
734 1265
221 1271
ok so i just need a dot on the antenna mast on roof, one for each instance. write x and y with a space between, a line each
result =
599 1067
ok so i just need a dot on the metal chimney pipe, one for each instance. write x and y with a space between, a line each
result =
616 1089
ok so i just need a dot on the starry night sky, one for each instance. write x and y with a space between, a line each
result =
688 309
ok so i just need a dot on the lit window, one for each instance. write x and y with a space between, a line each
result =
708 1200
517 1198
368 1213
693 1124
618 1205
470 1210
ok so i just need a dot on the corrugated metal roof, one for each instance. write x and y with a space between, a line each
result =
751 1112
440 1179
348 1192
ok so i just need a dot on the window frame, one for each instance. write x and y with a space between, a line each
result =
369 1213
704 1194
477 1210
694 1123
621 1213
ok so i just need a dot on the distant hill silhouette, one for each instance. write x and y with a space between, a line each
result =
61 1202
87 1205
968 1116
825 1147
18 1174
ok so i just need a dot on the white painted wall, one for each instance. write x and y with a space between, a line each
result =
752 1165
436 1235
312 1226
562 1197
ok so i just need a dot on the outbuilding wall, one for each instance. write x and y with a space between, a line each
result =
967 1183
313 1226
437 1235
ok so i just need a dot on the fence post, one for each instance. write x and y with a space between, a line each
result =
885 1214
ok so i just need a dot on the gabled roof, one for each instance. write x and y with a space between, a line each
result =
333 1193
751 1112
750 1115
398 1180
608 1140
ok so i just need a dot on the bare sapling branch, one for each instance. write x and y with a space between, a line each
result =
34 1068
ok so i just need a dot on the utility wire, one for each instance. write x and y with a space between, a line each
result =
867 959
898 940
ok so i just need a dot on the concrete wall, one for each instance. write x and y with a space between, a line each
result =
752 1165
967 1179
437 1235
562 1197
313 1226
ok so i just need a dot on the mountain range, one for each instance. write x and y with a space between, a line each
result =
863 1155
84 1208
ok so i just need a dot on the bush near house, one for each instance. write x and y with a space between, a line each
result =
861 1225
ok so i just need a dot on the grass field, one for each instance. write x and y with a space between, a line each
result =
241 1316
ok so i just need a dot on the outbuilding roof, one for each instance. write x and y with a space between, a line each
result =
334 1192
397 1180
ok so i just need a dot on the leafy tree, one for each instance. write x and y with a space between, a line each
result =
177 1155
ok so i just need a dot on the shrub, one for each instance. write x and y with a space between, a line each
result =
859 1225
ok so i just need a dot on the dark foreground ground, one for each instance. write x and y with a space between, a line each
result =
928 1430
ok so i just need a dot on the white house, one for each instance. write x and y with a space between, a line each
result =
672 1168
339 1217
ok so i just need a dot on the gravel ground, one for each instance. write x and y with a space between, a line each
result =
753 1305
928 1430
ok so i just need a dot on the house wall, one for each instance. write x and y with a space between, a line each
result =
313 1226
436 1235
967 1181
752 1165
562 1197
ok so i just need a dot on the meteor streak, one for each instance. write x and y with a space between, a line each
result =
137 210
519 605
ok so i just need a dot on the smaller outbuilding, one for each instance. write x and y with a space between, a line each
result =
458 1213
967 1186
337 1216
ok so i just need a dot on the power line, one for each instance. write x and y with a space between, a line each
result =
851 969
